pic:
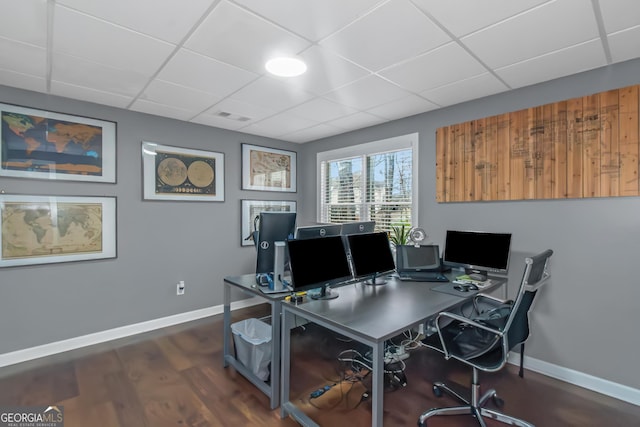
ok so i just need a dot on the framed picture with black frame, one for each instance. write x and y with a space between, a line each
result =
175 173
251 212
55 229
47 145
268 169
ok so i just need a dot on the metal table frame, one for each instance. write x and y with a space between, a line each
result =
247 284
370 315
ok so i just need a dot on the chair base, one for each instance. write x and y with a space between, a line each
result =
474 406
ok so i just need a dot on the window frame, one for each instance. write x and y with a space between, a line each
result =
402 142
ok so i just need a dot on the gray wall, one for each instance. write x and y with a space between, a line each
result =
586 319
159 242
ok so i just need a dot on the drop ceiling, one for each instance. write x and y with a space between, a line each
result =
369 61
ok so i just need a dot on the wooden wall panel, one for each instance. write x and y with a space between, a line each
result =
582 147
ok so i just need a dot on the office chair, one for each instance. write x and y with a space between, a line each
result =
484 341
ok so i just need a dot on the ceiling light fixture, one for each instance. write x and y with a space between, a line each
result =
286 66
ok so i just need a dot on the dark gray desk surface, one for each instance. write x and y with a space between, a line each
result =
371 315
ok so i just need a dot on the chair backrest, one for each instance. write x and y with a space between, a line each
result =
534 276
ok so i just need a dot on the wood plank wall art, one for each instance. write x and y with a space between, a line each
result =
582 147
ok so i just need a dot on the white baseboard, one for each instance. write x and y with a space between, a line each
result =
50 349
599 385
609 388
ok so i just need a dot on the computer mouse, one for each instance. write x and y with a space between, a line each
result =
472 287
461 288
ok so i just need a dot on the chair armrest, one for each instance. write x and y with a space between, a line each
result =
489 298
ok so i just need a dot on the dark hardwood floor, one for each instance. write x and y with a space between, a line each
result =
174 377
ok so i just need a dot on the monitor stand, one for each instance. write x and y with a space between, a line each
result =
376 280
325 293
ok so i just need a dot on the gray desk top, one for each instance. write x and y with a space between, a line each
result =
247 283
379 312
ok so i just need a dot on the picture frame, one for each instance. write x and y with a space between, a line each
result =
185 174
47 145
268 169
56 229
252 208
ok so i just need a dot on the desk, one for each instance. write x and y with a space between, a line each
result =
370 315
246 284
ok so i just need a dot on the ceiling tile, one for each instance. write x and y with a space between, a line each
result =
23 81
271 93
465 90
312 19
90 95
619 14
326 71
367 93
23 58
168 20
312 133
438 67
166 93
409 106
237 37
462 17
282 123
356 121
156 109
98 41
321 110
575 59
625 44
393 32
80 72
550 27
199 72
24 21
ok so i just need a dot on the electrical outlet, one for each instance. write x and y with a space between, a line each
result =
180 288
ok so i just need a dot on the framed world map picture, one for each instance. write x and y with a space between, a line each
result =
174 173
52 229
47 145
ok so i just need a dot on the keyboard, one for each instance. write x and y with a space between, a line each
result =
423 276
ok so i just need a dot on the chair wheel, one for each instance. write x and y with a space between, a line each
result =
498 401
437 391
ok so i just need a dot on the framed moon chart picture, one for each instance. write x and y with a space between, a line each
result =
174 173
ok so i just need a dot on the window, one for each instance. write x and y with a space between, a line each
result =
370 182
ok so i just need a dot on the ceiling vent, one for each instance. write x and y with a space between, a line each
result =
231 116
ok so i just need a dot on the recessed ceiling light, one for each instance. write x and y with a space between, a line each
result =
286 66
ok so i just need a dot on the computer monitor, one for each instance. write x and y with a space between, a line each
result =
272 227
358 227
479 253
320 230
371 256
318 263
415 258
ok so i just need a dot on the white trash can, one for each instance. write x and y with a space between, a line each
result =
252 340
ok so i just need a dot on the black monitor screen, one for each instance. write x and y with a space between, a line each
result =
474 250
370 254
318 262
273 227
358 227
312 231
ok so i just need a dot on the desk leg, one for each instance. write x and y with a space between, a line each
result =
276 312
377 385
285 357
226 347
